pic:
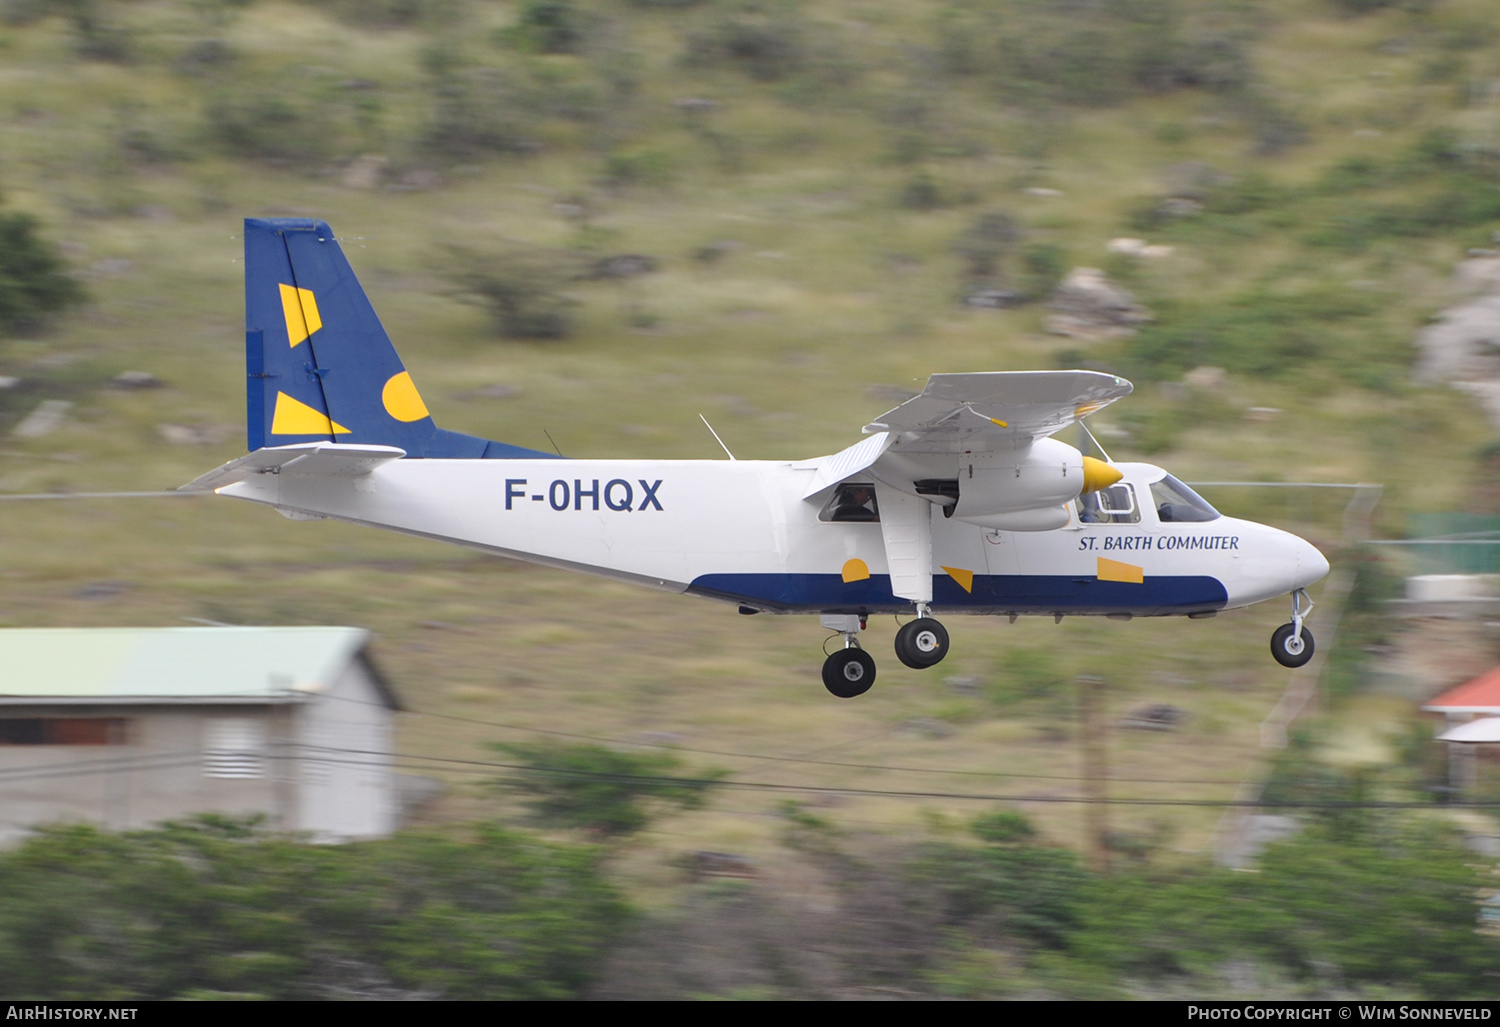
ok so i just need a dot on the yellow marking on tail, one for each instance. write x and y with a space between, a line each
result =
301 312
1114 570
293 417
401 399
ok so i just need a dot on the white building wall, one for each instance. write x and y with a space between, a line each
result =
346 776
158 774
321 766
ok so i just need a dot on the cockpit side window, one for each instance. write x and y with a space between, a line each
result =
852 501
1113 505
1178 504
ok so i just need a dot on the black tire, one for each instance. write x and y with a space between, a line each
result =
1282 645
921 644
849 672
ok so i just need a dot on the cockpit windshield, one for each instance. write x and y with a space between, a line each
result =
1178 504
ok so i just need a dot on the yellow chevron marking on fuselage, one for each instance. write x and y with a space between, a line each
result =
293 417
963 577
1114 570
401 399
301 312
856 570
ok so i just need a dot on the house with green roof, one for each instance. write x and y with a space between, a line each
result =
129 727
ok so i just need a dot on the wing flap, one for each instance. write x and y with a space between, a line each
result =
307 458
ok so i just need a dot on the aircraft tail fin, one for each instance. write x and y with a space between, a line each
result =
319 366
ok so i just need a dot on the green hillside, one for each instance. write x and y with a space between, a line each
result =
819 185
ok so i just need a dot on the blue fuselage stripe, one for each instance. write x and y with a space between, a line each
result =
1007 593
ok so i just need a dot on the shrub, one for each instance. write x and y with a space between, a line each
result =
95 38
545 26
598 789
385 13
520 287
920 193
1020 892
638 167
1257 332
213 908
987 242
267 125
1043 266
766 46
477 111
1003 827
33 282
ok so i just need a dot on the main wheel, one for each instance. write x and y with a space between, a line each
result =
849 672
1289 651
921 644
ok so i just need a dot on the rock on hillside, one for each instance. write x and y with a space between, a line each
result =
1462 344
1087 305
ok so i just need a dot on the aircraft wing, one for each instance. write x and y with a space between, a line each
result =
965 411
304 458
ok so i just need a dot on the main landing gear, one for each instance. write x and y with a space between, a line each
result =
850 671
922 643
1292 644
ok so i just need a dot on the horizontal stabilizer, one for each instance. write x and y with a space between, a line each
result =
306 458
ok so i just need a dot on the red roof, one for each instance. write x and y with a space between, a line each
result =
1481 695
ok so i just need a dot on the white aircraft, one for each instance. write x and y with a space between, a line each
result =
958 501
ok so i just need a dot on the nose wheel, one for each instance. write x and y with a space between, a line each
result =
922 643
849 672
1292 644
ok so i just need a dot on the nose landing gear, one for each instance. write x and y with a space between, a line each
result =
849 671
1292 644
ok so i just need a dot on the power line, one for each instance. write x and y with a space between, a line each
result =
96 495
893 768
706 783
332 754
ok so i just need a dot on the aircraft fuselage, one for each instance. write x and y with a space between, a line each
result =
741 531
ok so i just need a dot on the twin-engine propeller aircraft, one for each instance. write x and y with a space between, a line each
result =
959 501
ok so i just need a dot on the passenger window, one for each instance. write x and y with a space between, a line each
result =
852 501
1113 505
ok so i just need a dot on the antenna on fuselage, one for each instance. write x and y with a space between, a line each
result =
716 436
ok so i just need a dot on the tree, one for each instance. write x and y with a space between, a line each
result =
599 789
33 280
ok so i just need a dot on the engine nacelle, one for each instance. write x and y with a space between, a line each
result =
1047 518
1022 489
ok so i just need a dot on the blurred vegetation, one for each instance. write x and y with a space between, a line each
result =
520 287
214 908
601 790
33 279
1356 900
